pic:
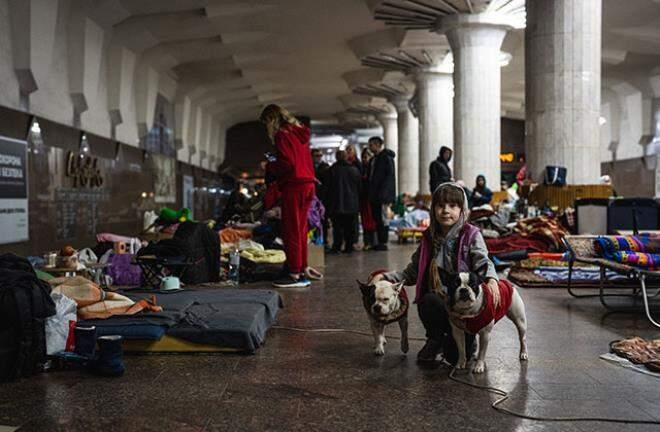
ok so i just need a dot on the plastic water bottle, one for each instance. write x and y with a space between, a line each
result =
234 264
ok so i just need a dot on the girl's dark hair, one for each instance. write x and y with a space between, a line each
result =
448 195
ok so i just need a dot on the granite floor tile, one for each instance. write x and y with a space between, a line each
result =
319 381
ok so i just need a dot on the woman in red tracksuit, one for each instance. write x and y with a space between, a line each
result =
294 171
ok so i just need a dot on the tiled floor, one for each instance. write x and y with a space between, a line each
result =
332 381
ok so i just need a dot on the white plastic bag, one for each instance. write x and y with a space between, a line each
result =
87 256
57 326
148 220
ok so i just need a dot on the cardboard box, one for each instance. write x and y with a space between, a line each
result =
315 256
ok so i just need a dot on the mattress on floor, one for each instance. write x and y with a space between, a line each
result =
235 319
169 344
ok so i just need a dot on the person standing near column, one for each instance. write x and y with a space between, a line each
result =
294 172
439 170
382 187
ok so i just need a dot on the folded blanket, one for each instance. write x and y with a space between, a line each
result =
233 235
640 251
270 256
94 303
543 228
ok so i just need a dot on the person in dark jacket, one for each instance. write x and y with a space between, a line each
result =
439 170
382 187
480 194
366 212
343 202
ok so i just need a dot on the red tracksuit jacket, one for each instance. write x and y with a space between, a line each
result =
294 160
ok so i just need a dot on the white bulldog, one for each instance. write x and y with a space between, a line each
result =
474 309
386 303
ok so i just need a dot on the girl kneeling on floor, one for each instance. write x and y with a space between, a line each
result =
452 244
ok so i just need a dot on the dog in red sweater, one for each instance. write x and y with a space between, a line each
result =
385 303
473 308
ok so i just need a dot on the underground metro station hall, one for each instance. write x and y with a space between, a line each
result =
330 215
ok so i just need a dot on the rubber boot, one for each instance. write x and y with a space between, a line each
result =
110 360
85 342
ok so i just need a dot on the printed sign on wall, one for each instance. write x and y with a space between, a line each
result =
189 193
13 191
164 178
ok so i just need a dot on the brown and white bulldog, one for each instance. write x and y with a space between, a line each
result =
386 303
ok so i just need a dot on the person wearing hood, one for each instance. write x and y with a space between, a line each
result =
481 194
439 170
294 172
382 187
453 245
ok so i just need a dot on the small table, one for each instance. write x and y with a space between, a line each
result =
95 272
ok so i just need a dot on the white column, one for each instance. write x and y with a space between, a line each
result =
408 155
390 134
475 44
436 119
563 60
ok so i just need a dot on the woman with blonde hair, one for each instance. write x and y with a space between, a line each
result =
294 172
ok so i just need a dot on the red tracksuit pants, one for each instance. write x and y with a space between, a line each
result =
296 200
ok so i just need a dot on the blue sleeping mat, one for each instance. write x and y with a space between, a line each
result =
231 318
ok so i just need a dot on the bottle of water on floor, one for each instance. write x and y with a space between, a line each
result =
234 264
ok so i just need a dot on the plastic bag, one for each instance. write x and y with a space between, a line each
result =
57 326
87 256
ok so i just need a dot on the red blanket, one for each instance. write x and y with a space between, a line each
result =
515 242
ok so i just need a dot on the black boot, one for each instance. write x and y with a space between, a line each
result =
110 360
430 351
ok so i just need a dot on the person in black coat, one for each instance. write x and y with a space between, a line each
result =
382 187
343 202
439 169
481 194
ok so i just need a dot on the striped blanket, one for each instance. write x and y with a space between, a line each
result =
640 251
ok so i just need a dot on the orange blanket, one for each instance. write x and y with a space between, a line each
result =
232 235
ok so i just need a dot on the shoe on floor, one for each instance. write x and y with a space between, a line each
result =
430 351
290 282
380 247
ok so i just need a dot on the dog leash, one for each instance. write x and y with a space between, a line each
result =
494 390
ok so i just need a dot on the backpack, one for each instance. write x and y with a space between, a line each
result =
25 303
202 246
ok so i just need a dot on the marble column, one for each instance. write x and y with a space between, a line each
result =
475 44
390 133
435 108
563 85
408 155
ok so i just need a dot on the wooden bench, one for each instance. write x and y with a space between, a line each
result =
581 248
